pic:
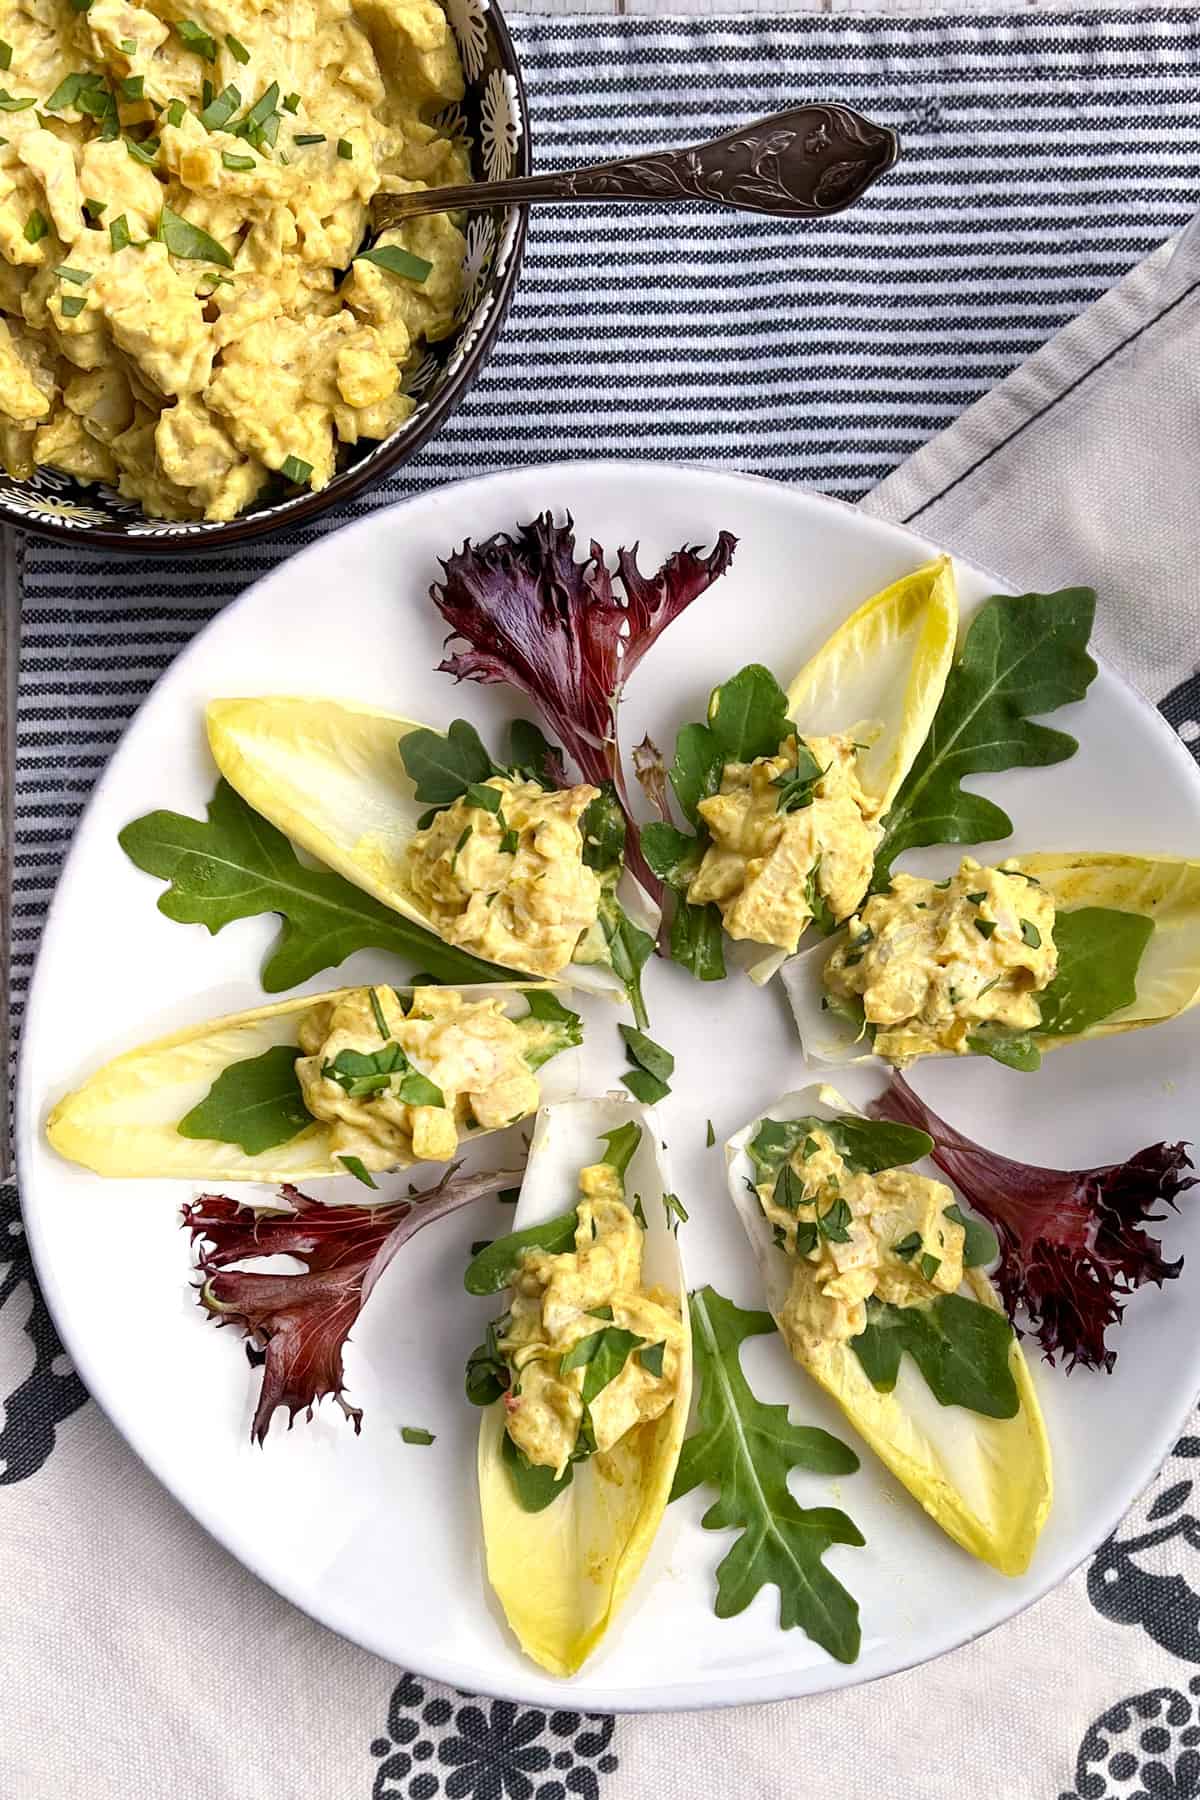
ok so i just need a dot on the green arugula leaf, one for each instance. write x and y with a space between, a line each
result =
629 949
359 1073
651 1358
603 828
696 940
255 1104
531 753
746 1450
673 855
487 1375
960 1346
648 1055
1099 953
235 865
1022 655
548 1027
645 1087
748 715
488 799
354 1165
494 1267
536 1487
822 913
980 1243
417 1090
442 766
865 1145
622 1146
603 1354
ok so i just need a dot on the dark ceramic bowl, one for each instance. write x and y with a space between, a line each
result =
493 116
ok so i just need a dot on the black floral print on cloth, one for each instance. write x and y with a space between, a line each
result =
1147 1574
443 1743
45 1389
1146 1747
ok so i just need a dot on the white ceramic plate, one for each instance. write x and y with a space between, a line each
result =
378 1539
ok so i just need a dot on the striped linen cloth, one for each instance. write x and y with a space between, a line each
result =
1046 155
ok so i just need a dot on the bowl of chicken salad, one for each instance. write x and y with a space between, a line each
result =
202 334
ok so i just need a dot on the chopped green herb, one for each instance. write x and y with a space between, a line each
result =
651 1358
834 1222
194 37
510 843
81 6
980 1244
906 1247
9 104
118 232
807 1236
1020 875
488 799
236 48
36 227
145 152
207 91
128 45
239 164
676 1212
1030 935
977 899
72 305
417 1090
309 137
78 276
354 1165
942 885
256 1103
381 1023
985 989
462 839
5 55
639 1211
645 1087
263 107
710 1136
929 1265
95 210
292 103
809 1148
359 1073
219 110
131 87
984 927
416 1434
395 260
345 149
789 1191
189 242
647 1054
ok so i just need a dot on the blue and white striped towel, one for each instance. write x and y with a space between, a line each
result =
1046 154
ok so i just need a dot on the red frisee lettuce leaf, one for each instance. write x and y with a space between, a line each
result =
302 1321
528 613
1073 1243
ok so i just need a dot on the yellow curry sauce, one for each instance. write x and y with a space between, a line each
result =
182 381
510 885
557 1299
858 1236
769 870
467 1048
931 960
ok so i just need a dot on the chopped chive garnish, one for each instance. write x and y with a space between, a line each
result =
292 103
264 106
5 55
175 112
416 1434
194 36
236 48
977 899
145 152
381 1023
237 163
81 6
207 91
354 1165
95 209
218 112
118 232
1030 935
73 305
189 242
984 927
710 1136
78 276
396 261
309 137
9 104
345 149
294 468
128 45
36 227
131 87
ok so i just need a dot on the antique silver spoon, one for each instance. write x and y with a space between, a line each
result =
801 164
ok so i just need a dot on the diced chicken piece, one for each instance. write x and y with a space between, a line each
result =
156 319
414 46
113 23
197 454
376 421
365 372
385 300
53 163
102 400
64 444
140 478
275 392
22 397
108 172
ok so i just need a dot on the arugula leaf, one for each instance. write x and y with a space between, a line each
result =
865 1145
548 1027
1023 654
603 1354
746 1450
980 1243
256 1103
629 949
532 754
645 1087
359 1073
536 1487
697 943
651 1358
487 1377
603 828
487 799
1099 952
417 1090
442 766
960 1346
494 1267
650 1080
234 865
622 1146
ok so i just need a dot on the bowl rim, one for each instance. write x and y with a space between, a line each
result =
370 470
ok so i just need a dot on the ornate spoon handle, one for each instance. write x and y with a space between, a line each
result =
800 164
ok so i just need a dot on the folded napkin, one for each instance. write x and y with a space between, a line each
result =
1046 156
